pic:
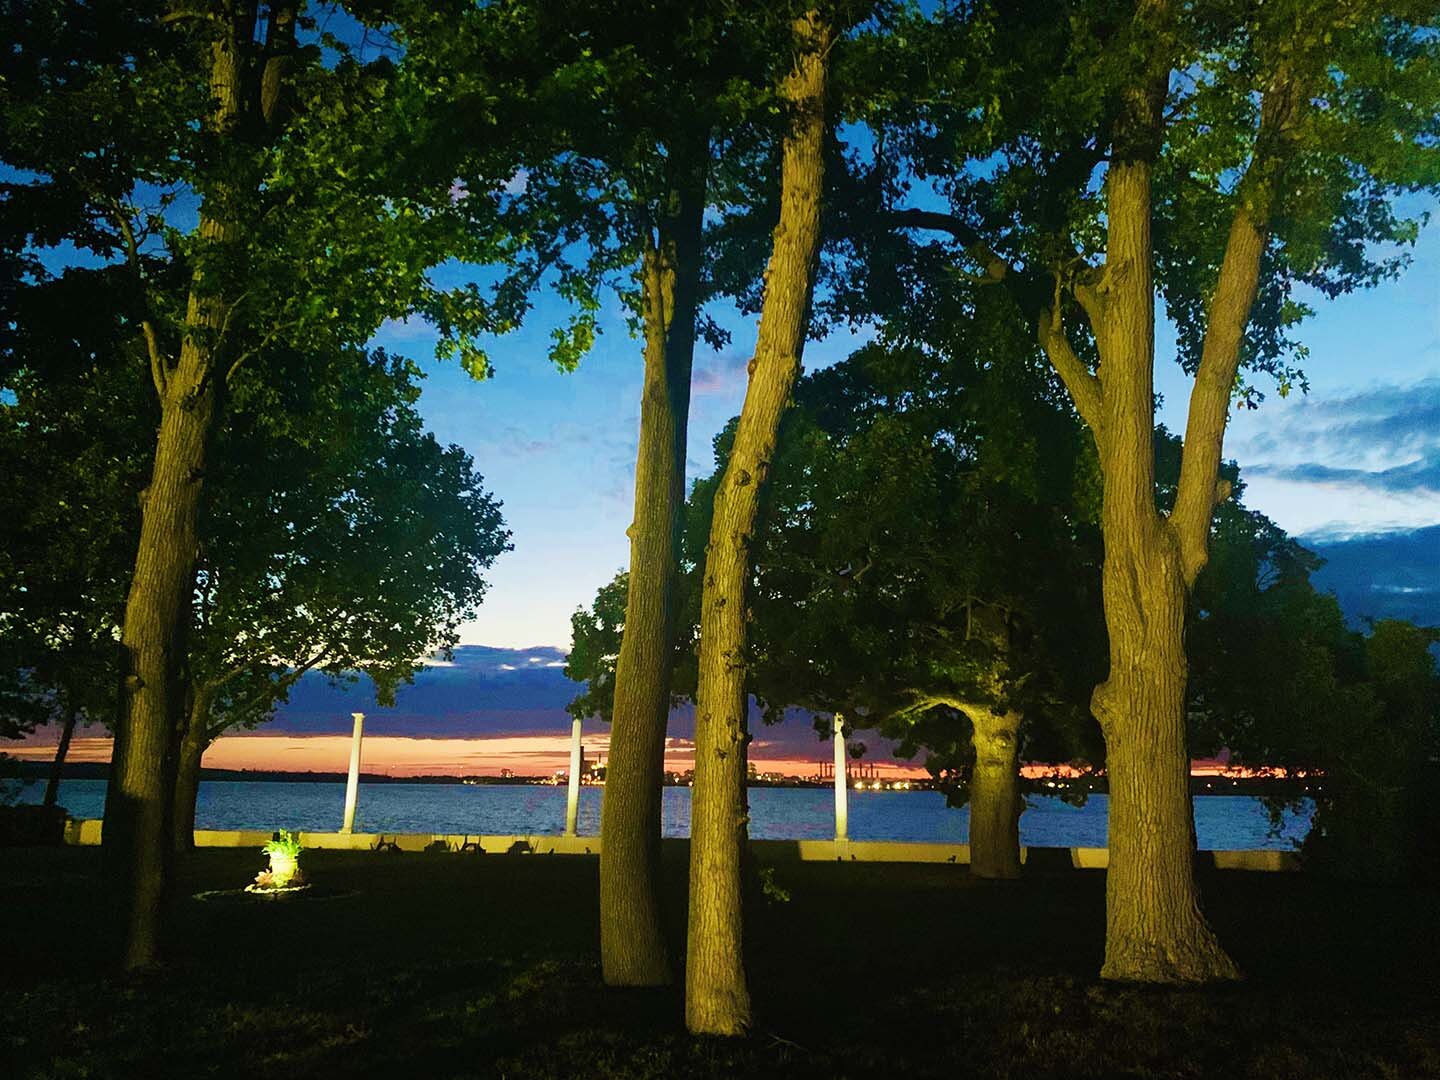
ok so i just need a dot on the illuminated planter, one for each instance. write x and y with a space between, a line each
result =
283 873
282 869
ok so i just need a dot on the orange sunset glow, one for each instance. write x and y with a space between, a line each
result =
392 755
525 755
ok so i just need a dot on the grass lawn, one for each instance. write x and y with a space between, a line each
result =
445 965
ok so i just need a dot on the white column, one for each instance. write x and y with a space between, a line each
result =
842 793
572 797
352 784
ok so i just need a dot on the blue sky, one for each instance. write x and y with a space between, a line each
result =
1359 454
559 451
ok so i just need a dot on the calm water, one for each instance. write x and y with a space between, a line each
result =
1221 821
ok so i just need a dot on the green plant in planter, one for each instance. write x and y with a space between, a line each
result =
284 871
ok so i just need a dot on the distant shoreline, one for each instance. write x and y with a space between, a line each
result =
93 770
1200 784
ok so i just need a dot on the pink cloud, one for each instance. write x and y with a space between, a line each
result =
720 373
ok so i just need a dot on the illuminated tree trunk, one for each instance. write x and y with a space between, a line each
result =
995 795
717 1001
1155 931
136 832
140 797
137 835
62 750
632 940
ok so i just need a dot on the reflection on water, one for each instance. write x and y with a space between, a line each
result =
1221 821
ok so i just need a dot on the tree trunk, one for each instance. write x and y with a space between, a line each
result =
632 940
995 795
1155 931
52 789
140 797
142 766
137 834
193 744
717 1001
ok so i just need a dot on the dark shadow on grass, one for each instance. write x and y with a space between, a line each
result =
452 966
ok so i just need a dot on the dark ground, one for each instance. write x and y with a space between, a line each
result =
445 965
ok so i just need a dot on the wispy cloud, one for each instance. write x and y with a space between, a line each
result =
1365 462
1376 429
407 331
1423 474
719 373
513 441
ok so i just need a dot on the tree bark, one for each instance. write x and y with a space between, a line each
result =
193 744
140 796
142 766
632 939
717 1001
52 788
995 795
1155 931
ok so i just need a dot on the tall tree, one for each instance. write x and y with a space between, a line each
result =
186 382
224 137
632 942
925 562
71 447
342 538
717 1000
1228 154
624 106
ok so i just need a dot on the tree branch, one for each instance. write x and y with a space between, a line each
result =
1084 387
1214 384
158 374
258 347
1226 321
284 682
997 268
211 685
920 700
180 16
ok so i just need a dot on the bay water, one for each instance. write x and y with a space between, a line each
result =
1222 822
